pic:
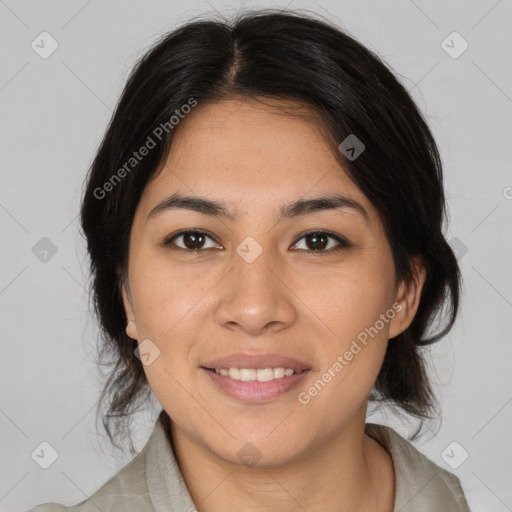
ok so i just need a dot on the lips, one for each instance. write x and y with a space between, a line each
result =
256 361
261 390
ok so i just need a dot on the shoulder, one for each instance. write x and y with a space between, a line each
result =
50 507
420 484
151 481
126 490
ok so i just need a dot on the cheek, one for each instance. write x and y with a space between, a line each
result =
352 300
351 304
167 296
171 302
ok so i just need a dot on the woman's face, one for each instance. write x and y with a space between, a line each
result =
253 283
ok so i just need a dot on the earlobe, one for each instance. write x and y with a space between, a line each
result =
408 298
131 328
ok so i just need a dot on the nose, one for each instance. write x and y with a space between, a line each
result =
255 296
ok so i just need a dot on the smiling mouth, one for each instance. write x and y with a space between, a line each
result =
255 385
255 374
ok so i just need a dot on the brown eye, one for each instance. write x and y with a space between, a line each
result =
318 241
192 240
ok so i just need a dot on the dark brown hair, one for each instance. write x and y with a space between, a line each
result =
279 55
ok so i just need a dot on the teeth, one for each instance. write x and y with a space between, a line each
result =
251 374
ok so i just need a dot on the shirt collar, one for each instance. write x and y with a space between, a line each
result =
417 479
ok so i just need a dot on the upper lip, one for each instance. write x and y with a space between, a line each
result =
261 360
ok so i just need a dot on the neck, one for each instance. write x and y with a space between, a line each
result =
350 472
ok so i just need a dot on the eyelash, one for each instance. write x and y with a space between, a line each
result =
343 243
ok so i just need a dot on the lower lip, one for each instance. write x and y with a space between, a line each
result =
255 391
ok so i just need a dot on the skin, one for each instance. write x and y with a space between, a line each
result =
202 305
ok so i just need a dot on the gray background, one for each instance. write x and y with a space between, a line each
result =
53 114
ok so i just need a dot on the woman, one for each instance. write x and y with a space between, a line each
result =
264 221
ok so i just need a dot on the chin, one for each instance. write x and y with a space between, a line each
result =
262 453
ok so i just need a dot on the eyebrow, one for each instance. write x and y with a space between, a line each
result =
297 208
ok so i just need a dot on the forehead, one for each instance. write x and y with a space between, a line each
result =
252 156
242 129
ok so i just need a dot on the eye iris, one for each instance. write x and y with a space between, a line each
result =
320 241
192 240
315 241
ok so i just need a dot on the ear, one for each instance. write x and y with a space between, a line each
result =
131 328
407 298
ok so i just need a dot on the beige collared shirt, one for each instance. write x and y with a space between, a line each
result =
152 481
